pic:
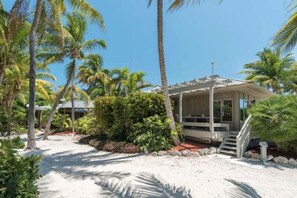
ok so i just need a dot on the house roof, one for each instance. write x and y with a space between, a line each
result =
78 104
218 82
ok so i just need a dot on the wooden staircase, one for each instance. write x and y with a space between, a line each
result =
228 146
235 143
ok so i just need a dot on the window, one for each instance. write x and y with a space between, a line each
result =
222 109
243 109
227 110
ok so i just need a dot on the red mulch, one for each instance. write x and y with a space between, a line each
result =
64 133
192 146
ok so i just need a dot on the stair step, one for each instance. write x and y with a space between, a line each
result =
231 139
227 152
230 143
229 147
232 135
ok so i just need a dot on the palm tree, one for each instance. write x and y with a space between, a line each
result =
174 5
11 44
285 39
92 74
57 9
270 70
128 82
74 48
17 83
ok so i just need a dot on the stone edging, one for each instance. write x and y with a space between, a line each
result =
279 159
185 153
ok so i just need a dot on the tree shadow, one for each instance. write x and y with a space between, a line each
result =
75 165
243 190
143 185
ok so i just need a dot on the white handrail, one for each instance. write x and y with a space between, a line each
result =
243 137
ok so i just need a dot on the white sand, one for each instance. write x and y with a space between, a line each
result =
73 170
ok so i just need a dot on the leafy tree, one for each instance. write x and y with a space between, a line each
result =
127 82
115 82
46 13
74 48
17 83
92 74
271 70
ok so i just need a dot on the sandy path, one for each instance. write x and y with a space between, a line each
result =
73 170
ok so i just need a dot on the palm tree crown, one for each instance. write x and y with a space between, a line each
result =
270 70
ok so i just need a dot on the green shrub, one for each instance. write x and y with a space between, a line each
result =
153 134
86 124
143 105
116 115
18 174
62 121
103 108
275 120
121 122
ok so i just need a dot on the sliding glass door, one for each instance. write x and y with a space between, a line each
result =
222 110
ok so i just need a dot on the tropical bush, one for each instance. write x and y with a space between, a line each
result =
275 120
86 124
103 108
62 122
18 174
139 118
116 115
153 134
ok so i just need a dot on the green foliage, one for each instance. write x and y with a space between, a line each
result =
137 118
275 119
86 124
18 174
144 105
153 134
120 125
19 118
62 122
272 71
116 115
103 108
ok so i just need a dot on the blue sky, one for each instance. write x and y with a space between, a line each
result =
230 34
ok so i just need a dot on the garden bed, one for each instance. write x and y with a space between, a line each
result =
111 146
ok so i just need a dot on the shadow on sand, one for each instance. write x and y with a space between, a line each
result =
243 190
141 185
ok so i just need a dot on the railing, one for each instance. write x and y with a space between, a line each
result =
207 125
243 137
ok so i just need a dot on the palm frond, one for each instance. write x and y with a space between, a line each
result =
286 38
93 44
87 10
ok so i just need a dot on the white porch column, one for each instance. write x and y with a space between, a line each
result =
180 113
211 128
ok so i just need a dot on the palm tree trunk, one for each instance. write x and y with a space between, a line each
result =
54 108
163 70
31 144
72 101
